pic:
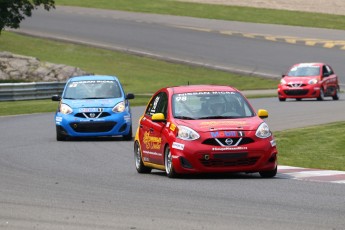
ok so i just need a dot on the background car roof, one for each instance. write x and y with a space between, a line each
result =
93 77
198 88
310 64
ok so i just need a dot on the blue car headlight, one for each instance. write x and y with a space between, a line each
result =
65 109
119 107
263 131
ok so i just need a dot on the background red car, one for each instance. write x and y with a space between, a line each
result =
203 129
309 80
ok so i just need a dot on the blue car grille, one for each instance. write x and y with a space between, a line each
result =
92 127
92 115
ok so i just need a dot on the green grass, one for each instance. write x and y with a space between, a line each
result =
139 75
27 107
319 147
232 13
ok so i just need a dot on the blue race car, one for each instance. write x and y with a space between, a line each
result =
93 106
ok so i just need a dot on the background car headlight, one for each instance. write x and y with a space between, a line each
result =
263 131
186 133
312 81
119 108
65 109
282 82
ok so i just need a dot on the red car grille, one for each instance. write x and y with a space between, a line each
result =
296 92
213 141
229 160
92 127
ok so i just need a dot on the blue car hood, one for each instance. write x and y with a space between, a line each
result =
92 103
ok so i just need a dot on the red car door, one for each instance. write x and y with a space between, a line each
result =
150 132
329 80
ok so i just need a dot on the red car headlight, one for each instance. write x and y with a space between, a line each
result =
263 131
282 82
312 81
186 133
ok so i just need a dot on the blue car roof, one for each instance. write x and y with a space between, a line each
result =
93 77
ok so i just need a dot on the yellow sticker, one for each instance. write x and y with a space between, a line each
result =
172 127
152 142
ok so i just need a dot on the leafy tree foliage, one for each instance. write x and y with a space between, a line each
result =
12 12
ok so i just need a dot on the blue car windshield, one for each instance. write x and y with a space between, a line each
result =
92 89
210 105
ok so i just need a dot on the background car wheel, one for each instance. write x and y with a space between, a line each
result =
336 95
322 95
169 168
269 174
129 136
282 99
60 136
139 165
298 99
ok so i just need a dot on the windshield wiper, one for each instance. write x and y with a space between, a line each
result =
217 117
184 117
86 98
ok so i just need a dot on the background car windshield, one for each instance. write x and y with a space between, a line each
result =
204 105
92 89
302 71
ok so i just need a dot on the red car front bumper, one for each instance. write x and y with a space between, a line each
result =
255 157
308 91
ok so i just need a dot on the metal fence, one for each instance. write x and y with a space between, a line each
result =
30 91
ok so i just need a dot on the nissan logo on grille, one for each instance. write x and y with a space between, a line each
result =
229 141
296 84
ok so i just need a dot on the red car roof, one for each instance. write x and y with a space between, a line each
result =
310 64
197 88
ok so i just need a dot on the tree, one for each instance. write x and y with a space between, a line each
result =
12 12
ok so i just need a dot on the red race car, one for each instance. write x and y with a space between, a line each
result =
203 129
309 80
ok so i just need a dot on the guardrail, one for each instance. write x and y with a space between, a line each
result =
30 91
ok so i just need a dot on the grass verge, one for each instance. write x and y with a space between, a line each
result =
232 13
302 147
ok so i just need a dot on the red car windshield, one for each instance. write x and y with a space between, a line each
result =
304 71
210 105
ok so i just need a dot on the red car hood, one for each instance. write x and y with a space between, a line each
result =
251 123
303 80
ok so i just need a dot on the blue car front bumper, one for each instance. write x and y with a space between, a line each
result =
92 124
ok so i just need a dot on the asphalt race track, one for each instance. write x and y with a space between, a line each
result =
93 184
235 46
